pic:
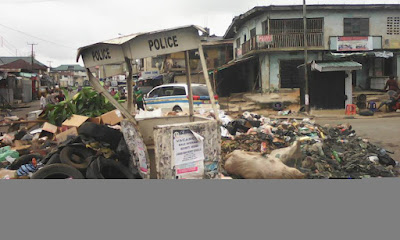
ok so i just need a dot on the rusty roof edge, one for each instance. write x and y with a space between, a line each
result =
242 17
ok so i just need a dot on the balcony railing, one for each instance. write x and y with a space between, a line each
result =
282 41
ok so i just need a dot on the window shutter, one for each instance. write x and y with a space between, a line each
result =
364 27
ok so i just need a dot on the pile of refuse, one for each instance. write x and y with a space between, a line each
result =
326 152
77 149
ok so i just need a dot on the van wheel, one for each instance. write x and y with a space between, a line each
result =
177 109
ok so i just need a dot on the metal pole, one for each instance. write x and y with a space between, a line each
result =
207 78
189 85
32 44
129 83
307 96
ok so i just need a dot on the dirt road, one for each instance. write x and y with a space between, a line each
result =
384 132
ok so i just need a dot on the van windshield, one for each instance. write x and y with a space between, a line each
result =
200 91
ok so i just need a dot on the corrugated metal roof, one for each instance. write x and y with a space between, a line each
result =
240 20
336 66
340 64
6 60
127 38
72 67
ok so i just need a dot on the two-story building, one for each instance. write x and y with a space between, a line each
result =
69 75
269 43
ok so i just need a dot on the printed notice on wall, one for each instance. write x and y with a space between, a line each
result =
193 170
188 146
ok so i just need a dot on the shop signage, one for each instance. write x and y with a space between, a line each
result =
352 44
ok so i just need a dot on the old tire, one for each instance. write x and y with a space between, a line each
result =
277 106
54 159
77 157
101 133
102 168
57 171
24 160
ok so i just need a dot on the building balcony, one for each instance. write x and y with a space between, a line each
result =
282 42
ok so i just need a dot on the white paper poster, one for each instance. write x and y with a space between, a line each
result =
188 147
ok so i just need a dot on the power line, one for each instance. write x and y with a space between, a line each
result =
27 34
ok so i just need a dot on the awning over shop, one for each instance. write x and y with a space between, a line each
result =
384 54
336 66
233 63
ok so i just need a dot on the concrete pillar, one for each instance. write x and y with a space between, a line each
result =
348 88
265 73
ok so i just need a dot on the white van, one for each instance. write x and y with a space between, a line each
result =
174 97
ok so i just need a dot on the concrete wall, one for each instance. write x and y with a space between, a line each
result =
270 76
196 78
7 95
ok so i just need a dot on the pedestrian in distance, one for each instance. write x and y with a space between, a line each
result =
43 101
392 84
60 97
139 98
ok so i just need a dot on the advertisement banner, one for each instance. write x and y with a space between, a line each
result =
265 39
347 44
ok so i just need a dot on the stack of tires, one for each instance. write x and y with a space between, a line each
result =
72 160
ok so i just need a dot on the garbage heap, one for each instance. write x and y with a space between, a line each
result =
327 152
77 149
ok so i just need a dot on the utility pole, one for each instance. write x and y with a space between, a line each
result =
32 44
306 93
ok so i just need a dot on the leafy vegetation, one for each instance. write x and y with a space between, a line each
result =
86 103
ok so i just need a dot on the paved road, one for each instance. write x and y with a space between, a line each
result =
384 132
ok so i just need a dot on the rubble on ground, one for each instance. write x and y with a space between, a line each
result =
328 152
81 147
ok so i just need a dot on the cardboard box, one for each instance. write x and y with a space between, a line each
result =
75 121
96 120
48 130
62 137
112 118
48 127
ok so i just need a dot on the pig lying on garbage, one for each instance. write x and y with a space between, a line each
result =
256 166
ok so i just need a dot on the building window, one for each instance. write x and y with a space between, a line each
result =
356 26
393 25
383 67
289 33
265 28
238 43
253 33
295 26
156 62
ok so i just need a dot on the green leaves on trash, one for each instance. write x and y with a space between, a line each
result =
87 102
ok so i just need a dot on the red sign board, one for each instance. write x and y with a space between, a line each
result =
265 39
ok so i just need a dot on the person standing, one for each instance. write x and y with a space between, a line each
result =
43 101
392 84
60 97
139 98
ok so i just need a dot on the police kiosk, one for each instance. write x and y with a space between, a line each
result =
168 147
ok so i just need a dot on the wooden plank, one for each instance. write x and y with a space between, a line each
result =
208 83
129 84
100 89
189 85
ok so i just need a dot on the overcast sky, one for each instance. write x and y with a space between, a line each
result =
60 27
